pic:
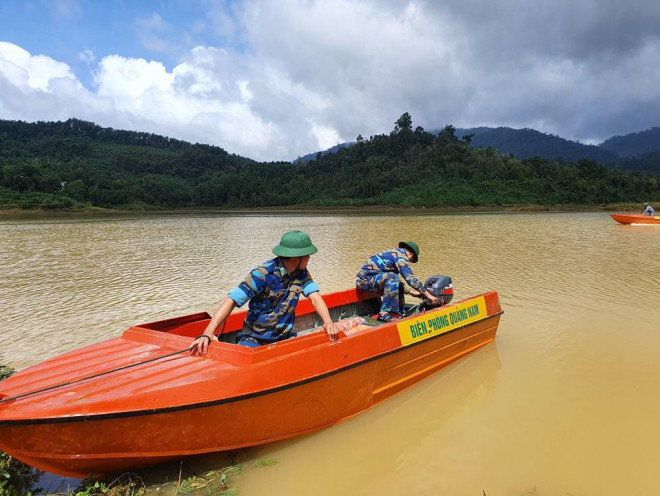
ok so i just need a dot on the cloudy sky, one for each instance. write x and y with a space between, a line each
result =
277 79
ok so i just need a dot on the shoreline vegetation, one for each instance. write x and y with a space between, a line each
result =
77 166
305 209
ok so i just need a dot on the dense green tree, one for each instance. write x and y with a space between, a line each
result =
77 164
403 123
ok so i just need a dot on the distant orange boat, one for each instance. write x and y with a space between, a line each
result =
77 414
636 219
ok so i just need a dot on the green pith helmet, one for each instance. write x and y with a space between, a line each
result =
413 247
295 244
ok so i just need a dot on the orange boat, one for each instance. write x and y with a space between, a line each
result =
636 219
142 398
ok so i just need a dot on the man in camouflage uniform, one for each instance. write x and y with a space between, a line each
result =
273 290
380 274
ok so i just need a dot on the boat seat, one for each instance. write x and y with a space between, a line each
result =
311 322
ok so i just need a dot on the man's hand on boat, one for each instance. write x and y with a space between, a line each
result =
322 310
201 344
426 295
332 330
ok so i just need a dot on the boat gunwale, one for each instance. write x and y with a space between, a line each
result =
242 397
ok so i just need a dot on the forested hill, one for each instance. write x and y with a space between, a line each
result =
74 163
79 164
635 151
43 138
527 143
634 144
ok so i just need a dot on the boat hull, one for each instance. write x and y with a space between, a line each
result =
636 219
358 372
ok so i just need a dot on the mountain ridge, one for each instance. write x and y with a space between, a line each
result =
633 151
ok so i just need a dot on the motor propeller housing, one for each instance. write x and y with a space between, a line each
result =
441 287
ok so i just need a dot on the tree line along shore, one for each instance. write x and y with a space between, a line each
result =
76 165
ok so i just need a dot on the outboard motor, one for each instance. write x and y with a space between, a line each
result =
441 287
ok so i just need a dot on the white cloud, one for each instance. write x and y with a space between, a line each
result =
244 88
326 137
193 101
153 32
30 72
128 80
188 102
87 56
356 67
307 75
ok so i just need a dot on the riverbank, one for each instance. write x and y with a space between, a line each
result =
307 209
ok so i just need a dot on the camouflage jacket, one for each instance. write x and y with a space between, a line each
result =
391 261
273 294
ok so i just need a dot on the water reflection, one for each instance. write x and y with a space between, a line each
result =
381 450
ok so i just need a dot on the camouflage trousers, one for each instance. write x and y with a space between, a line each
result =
385 284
